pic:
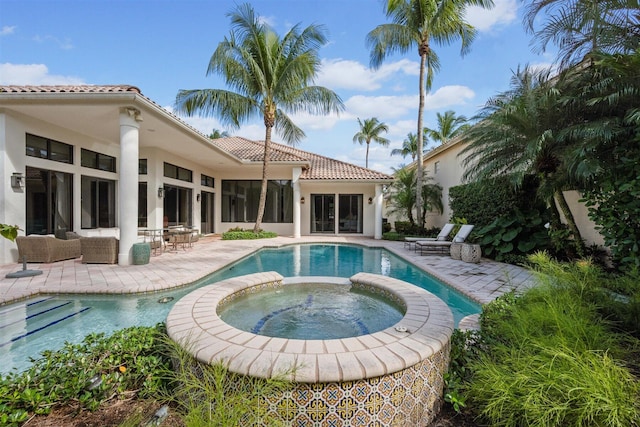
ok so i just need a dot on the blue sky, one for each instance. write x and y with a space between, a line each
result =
163 46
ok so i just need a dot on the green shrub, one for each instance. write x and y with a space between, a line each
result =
391 235
129 362
209 395
549 359
515 235
508 221
240 234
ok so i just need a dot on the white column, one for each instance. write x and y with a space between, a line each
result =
377 200
128 183
296 202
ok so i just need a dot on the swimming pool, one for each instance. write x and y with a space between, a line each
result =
46 322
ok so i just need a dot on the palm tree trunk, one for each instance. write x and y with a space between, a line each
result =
263 188
571 222
419 165
366 159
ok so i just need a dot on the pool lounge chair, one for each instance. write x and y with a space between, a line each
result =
443 246
409 242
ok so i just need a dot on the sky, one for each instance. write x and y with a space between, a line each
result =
163 46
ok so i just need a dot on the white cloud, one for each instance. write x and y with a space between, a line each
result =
7 29
33 74
503 13
391 107
316 122
64 44
348 74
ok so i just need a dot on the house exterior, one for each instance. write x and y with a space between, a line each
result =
107 160
444 165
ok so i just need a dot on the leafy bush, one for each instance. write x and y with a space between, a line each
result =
615 208
240 234
518 234
550 359
509 222
130 362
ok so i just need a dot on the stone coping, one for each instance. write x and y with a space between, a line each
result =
424 330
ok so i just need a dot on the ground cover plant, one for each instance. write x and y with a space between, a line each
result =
556 355
240 234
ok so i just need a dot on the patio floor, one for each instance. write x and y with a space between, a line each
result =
482 282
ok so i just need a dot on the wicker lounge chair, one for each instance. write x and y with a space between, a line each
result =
46 248
443 245
99 250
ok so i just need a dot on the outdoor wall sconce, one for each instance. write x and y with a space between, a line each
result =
17 180
370 200
160 192
198 197
302 200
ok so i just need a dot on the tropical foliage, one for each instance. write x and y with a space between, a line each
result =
371 130
9 231
420 24
402 195
449 126
270 76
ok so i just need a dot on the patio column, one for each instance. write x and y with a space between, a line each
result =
377 200
130 119
296 202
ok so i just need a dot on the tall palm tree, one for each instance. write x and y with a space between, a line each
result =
271 76
418 23
402 195
579 27
370 130
519 134
450 125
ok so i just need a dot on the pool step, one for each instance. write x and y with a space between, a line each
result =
23 320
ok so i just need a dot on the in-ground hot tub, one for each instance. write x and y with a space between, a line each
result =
390 377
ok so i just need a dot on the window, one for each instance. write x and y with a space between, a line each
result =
207 181
142 166
49 200
142 204
240 201
177 205
436 167
176 172
98 202
93 160
350 213
49 149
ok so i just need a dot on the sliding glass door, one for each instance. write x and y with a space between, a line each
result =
177 205
323 213
49 200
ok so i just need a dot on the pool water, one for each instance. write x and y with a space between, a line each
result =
311 311
46 322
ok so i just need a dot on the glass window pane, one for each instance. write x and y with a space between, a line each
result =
185 175
37 147
106 163
88 159
61 152
142 166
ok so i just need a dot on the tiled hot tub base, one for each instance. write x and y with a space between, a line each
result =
410 397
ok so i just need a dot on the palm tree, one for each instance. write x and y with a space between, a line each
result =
410 146
418 23
520 134
217 133
579 27
272 76
370 130
402 195
450 125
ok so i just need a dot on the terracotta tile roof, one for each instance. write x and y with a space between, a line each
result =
70 89
319 167
316 167
253 151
